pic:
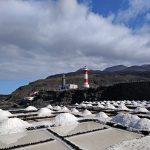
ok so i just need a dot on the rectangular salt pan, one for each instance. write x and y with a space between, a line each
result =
52 145
80 127
100 140
23 138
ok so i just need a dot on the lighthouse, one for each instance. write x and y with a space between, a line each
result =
86 83
63 82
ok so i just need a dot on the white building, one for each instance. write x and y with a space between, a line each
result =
30 98
69 86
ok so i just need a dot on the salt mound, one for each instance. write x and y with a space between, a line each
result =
65 109
100 105
101 115
13 125
128 102
141 109
30 108
89 105
103 103
83 105
143 124
115 104
86 112
110 106
134 103
122 107
57 108
74 110
65 119
127 120
44 112
49 106
76 104
4 115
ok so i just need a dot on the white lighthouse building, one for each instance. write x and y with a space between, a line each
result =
86 82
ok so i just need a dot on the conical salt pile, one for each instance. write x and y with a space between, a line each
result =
74 110
101 115
86 112
57 108
13 125
49 106
143 124
122 107
141 109
65 119
127 120
89 105
30 108
4 115
110 106
65 109
83 105
76 104
100 105
43 112
134 103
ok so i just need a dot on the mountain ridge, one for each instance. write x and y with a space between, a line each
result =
97 78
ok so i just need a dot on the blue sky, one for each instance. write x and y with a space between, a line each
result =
106 7
7 86
66 34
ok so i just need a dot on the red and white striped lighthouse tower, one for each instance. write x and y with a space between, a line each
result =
86 82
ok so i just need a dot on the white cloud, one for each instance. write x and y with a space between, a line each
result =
136 8
39 38
148 16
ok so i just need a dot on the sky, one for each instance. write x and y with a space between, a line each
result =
39 38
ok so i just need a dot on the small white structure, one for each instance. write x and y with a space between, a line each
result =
68 86
30 98
71 86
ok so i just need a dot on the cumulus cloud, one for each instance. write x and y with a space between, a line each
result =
39 38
